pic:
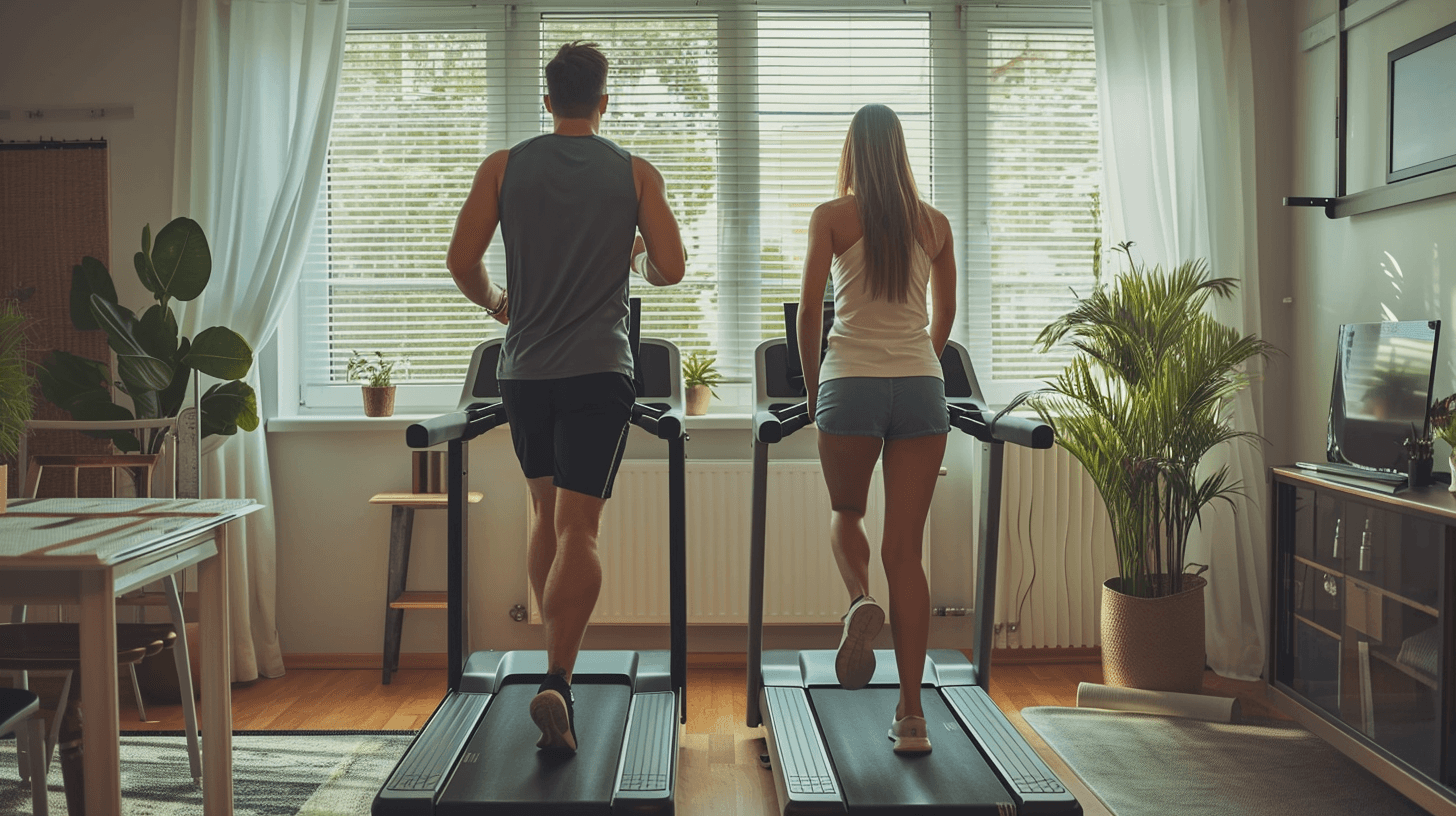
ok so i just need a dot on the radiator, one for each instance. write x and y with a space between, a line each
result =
801 585
1056 550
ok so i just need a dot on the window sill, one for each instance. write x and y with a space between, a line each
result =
332 423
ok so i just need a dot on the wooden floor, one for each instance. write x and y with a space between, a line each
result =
719 773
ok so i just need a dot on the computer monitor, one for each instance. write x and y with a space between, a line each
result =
1382 391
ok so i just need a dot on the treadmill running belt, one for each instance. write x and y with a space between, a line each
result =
952 778
502 773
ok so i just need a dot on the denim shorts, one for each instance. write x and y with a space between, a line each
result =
884 407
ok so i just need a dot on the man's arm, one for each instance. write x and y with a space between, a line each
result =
474 229
665 261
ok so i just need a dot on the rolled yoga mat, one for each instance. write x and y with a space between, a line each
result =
1169 703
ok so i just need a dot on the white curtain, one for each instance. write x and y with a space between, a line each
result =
1176 87
256 100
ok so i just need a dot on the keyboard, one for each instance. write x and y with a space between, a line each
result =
1339 469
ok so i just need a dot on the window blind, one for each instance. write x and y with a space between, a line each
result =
1033 178
744 108
408 133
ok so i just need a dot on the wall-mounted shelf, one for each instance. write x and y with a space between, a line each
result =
1420 188
1350 14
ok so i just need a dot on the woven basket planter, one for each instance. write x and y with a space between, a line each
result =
1154 643
379 401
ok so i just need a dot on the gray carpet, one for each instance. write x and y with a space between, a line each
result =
275 774
1149 765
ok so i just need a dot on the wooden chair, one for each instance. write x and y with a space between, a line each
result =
17 716
33 647
140 465
180 449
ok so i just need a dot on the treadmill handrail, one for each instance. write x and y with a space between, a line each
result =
1030 433
456 425
772 424
661 421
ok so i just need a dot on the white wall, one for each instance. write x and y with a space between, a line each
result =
1383 265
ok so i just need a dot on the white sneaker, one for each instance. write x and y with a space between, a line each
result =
854 665
909 736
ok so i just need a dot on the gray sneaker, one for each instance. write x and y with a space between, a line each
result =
854 665
551 709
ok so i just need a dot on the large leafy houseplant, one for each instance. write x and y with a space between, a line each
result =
1146 397
154 363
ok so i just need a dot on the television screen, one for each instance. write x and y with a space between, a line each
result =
1422 105
1382 391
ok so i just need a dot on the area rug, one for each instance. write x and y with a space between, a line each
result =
278 773
1150 765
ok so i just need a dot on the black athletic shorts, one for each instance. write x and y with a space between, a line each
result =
573 429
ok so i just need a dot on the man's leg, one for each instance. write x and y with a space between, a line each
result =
590 434
541 547
574 580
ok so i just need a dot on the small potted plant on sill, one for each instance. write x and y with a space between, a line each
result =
699 377
376 373
16 401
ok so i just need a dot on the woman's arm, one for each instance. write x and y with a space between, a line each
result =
811 300
942 283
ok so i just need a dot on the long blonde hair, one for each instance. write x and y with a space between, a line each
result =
875 167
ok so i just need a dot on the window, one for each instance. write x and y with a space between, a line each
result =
744 107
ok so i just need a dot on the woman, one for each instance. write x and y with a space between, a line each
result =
879 391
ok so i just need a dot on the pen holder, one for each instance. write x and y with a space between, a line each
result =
1418 472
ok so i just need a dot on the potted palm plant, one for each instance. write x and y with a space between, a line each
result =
376 375
1146 397
16 401
699 377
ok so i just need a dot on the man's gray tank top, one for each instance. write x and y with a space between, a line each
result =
568 215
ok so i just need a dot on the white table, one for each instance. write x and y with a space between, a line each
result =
88 551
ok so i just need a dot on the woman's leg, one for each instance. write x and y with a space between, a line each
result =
910 470
848 462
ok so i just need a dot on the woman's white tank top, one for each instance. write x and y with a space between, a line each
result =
878 338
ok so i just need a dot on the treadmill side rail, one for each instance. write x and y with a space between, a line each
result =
647 775
426 765
804 776
1036 788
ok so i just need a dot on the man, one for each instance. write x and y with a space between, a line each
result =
570 205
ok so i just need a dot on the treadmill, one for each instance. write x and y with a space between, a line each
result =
827 746
477 753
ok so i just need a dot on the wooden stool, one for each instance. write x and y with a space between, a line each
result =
397 600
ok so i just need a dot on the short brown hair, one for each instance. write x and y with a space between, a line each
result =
576 78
